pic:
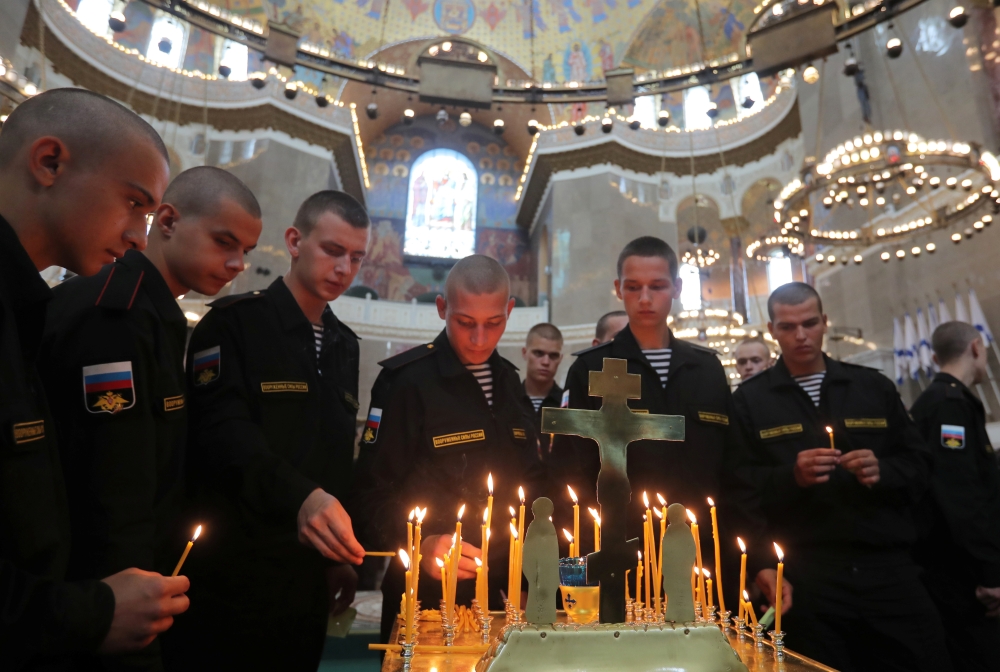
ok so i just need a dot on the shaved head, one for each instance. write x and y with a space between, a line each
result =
952 339
200 191
477 274
91 125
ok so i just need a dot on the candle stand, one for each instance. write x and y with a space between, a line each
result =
779 644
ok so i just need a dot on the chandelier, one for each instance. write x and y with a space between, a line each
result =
699 258
706 323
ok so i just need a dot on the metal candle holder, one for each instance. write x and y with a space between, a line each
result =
630 611
406 654
724 617
711 613
758 636
779 644
697 611
741 628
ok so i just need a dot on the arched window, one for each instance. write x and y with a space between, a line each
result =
441 206
697 103
646 111
166 26
748 86
94 14
235 56
690 287
779 272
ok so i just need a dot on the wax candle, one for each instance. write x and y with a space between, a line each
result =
479 580
489 524
597 529
748 608
743 573
708 587
697 549
444 581
518 557
658 560
777 599
576 520
627 572
409 532
694 583
417 555
456 554
485 545
407 595
829 430
572 546
510 563
645 568
638 581
718 555
187 549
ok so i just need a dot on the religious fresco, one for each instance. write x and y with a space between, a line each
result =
139 19
396 163
200 52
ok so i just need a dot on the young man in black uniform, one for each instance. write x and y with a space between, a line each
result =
609 325
959 545
78 173
443 417
112 361
844 513
273 382
678 378
542 353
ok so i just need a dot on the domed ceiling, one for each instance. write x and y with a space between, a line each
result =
575 40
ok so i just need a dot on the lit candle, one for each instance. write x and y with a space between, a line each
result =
597 528
456 554
576 519
645 569
743 573
187 549
781 576
444 581
718 555
489 524
708 586
694 583
697 549
518 557
572 546
748 608
479 580
407 596
658 560
409 532
829 430
417 555
511 563
638 581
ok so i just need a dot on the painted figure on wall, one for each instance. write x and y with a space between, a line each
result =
531 20
597 12
454 16
607 55
548 70
564 11
577 63
441 207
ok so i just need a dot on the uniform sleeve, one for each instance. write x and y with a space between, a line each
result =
959 491
737 492
43 618
385 460
905 468
227 447
579 458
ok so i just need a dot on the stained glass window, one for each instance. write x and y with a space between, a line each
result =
441 206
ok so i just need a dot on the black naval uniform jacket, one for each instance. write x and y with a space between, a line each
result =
43 619
112 361
960 514
840 522
268 426
552 400
688 471
431 441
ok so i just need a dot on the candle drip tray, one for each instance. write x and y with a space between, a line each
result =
596 647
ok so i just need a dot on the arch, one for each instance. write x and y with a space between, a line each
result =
757 204
441 206
173 29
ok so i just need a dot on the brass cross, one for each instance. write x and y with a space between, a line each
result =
613 428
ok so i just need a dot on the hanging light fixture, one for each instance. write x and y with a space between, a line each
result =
957 16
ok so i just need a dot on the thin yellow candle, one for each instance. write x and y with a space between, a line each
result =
781 576
489 524
407 596
485 544
187 549
409 532
456 554
718 554
479 580
510 562
627 572
597 528
658 580
694 583
645 569
417 555
829 430
572 546
444 581
748 608
518 557
708 587
697 549
576 519
743 574
638 581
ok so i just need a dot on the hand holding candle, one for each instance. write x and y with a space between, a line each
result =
829 430
187 549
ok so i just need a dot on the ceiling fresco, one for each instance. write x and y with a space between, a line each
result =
575 40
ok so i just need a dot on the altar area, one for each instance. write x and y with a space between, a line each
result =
468 649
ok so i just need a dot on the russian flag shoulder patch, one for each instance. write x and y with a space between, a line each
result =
207 366
371 425
953 436
108 388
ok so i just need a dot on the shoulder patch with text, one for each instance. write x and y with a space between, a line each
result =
173 403
371 426
780 431
953 436
519 434
207 366
108 388
866 423
26 432
459 437
717 418
284 386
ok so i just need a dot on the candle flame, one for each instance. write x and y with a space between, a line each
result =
640 554
594 513
513 531
413 512
486 514
569 537
489 483
708 574
746 596
644 517
513 513
520 493
691 516
780 553
405 558
420 514
479 563
743 547
659 513
645 499
197 533
489 533
572 495
663 502
440 562
711 502
829 430
461 511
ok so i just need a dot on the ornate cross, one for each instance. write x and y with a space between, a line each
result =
613 428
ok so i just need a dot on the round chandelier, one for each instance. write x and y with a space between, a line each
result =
706 323
776 244
699 258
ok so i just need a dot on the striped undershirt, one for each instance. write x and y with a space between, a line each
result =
811 384
660 361
318 337
484 376
536 402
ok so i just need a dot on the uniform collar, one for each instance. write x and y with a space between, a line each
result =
289 310
18 274
448 362
624 346
949 380
154 286
554 395
779 374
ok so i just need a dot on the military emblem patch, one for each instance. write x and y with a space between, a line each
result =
953 436
207 366
371 426
565 399
108 388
